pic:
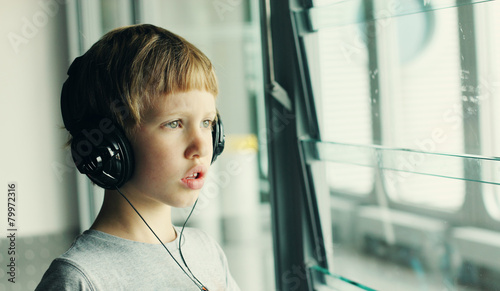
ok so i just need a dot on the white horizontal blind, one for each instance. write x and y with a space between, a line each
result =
346 102
345 97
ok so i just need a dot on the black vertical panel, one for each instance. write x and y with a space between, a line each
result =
306 108
285 174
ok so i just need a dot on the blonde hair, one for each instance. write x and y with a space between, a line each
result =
124 72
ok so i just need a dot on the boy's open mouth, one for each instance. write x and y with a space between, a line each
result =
194 178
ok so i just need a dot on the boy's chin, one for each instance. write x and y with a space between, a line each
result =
188 201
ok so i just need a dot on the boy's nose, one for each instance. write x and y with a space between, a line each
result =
199 145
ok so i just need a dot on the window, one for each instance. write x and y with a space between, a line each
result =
406 107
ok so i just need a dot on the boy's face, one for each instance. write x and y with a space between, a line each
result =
173 149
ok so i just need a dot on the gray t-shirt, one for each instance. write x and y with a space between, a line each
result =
99 261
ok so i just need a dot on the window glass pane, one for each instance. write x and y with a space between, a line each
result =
408 91
380 247
413 108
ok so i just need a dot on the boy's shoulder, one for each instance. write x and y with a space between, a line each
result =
70 271
93 245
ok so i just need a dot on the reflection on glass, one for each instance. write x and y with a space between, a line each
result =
336 281
378 246
403 161
320 15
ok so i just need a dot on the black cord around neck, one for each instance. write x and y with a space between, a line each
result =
192 277
180 249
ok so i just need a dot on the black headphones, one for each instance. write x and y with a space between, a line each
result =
100 148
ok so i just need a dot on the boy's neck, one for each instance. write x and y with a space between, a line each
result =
118 218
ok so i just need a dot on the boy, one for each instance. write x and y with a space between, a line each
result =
140 107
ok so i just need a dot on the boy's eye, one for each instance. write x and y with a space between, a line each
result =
172 124
206 123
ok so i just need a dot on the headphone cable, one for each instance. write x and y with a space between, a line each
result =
197 282
180 249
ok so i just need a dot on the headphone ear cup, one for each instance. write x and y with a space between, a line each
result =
106 158
218 138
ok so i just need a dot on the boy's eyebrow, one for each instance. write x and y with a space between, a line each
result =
159 115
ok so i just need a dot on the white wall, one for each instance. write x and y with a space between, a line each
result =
33 60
